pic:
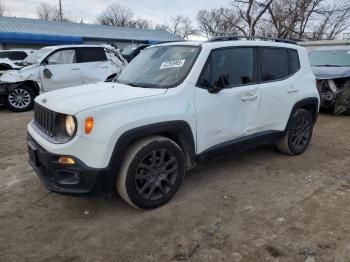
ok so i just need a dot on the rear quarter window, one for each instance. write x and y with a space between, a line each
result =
91 54
294 63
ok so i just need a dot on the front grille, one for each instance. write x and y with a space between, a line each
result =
44 119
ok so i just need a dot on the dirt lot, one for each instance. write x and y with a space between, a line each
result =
256 206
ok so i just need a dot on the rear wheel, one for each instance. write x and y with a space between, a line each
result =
20 99
298 135
152 172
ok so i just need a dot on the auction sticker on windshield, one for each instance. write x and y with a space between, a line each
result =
172 64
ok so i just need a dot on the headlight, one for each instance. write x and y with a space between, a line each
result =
70 125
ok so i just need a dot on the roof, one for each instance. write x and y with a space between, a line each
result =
86 31
219 44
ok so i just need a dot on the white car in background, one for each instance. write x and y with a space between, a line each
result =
10 59
55 67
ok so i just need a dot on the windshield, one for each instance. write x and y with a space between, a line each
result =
330 58
160 67
129 50
32 58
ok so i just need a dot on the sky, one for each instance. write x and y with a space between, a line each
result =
158 11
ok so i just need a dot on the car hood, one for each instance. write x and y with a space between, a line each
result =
73 100
328 72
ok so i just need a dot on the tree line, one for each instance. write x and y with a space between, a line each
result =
294 19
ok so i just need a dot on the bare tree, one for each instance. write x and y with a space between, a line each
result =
251 12
179 25
47 11
331 21
211 22
2 9
119 15
141 23
284 18
311 19
116 15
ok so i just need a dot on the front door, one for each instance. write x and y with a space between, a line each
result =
60 70
232 112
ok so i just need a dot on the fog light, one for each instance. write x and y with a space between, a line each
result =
63 160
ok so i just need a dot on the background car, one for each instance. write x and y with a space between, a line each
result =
130 52
55 67
331 66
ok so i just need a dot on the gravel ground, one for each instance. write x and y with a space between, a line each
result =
259 205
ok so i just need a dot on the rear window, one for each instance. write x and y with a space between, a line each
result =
274 64
91 54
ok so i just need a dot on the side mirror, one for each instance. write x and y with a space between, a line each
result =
219 84
47 73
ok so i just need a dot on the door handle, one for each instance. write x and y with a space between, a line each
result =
104 67
292 90
249 97
75 69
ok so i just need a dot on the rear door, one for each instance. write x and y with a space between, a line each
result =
232 112
60 70
279 86
93 63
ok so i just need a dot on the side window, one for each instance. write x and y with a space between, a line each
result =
66 56
273 63
91 54
294 64
229 67
17 55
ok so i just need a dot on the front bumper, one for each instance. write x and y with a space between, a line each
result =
72 179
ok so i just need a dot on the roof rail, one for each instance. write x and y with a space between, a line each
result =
261 38
170 41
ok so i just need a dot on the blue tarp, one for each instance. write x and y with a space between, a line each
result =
30 38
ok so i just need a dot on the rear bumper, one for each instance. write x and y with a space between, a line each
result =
72 179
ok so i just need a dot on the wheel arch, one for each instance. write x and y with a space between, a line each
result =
310 104
30 83
179 131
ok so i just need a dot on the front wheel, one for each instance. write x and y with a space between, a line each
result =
152 172
298 134
20 99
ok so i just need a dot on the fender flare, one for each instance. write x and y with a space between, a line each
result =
177 130
310 103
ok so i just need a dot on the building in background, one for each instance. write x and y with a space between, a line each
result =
311 45
35 33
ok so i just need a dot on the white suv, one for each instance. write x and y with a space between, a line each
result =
56 67
174 105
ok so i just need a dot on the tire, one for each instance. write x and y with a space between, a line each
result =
142 181
20 99
298 135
